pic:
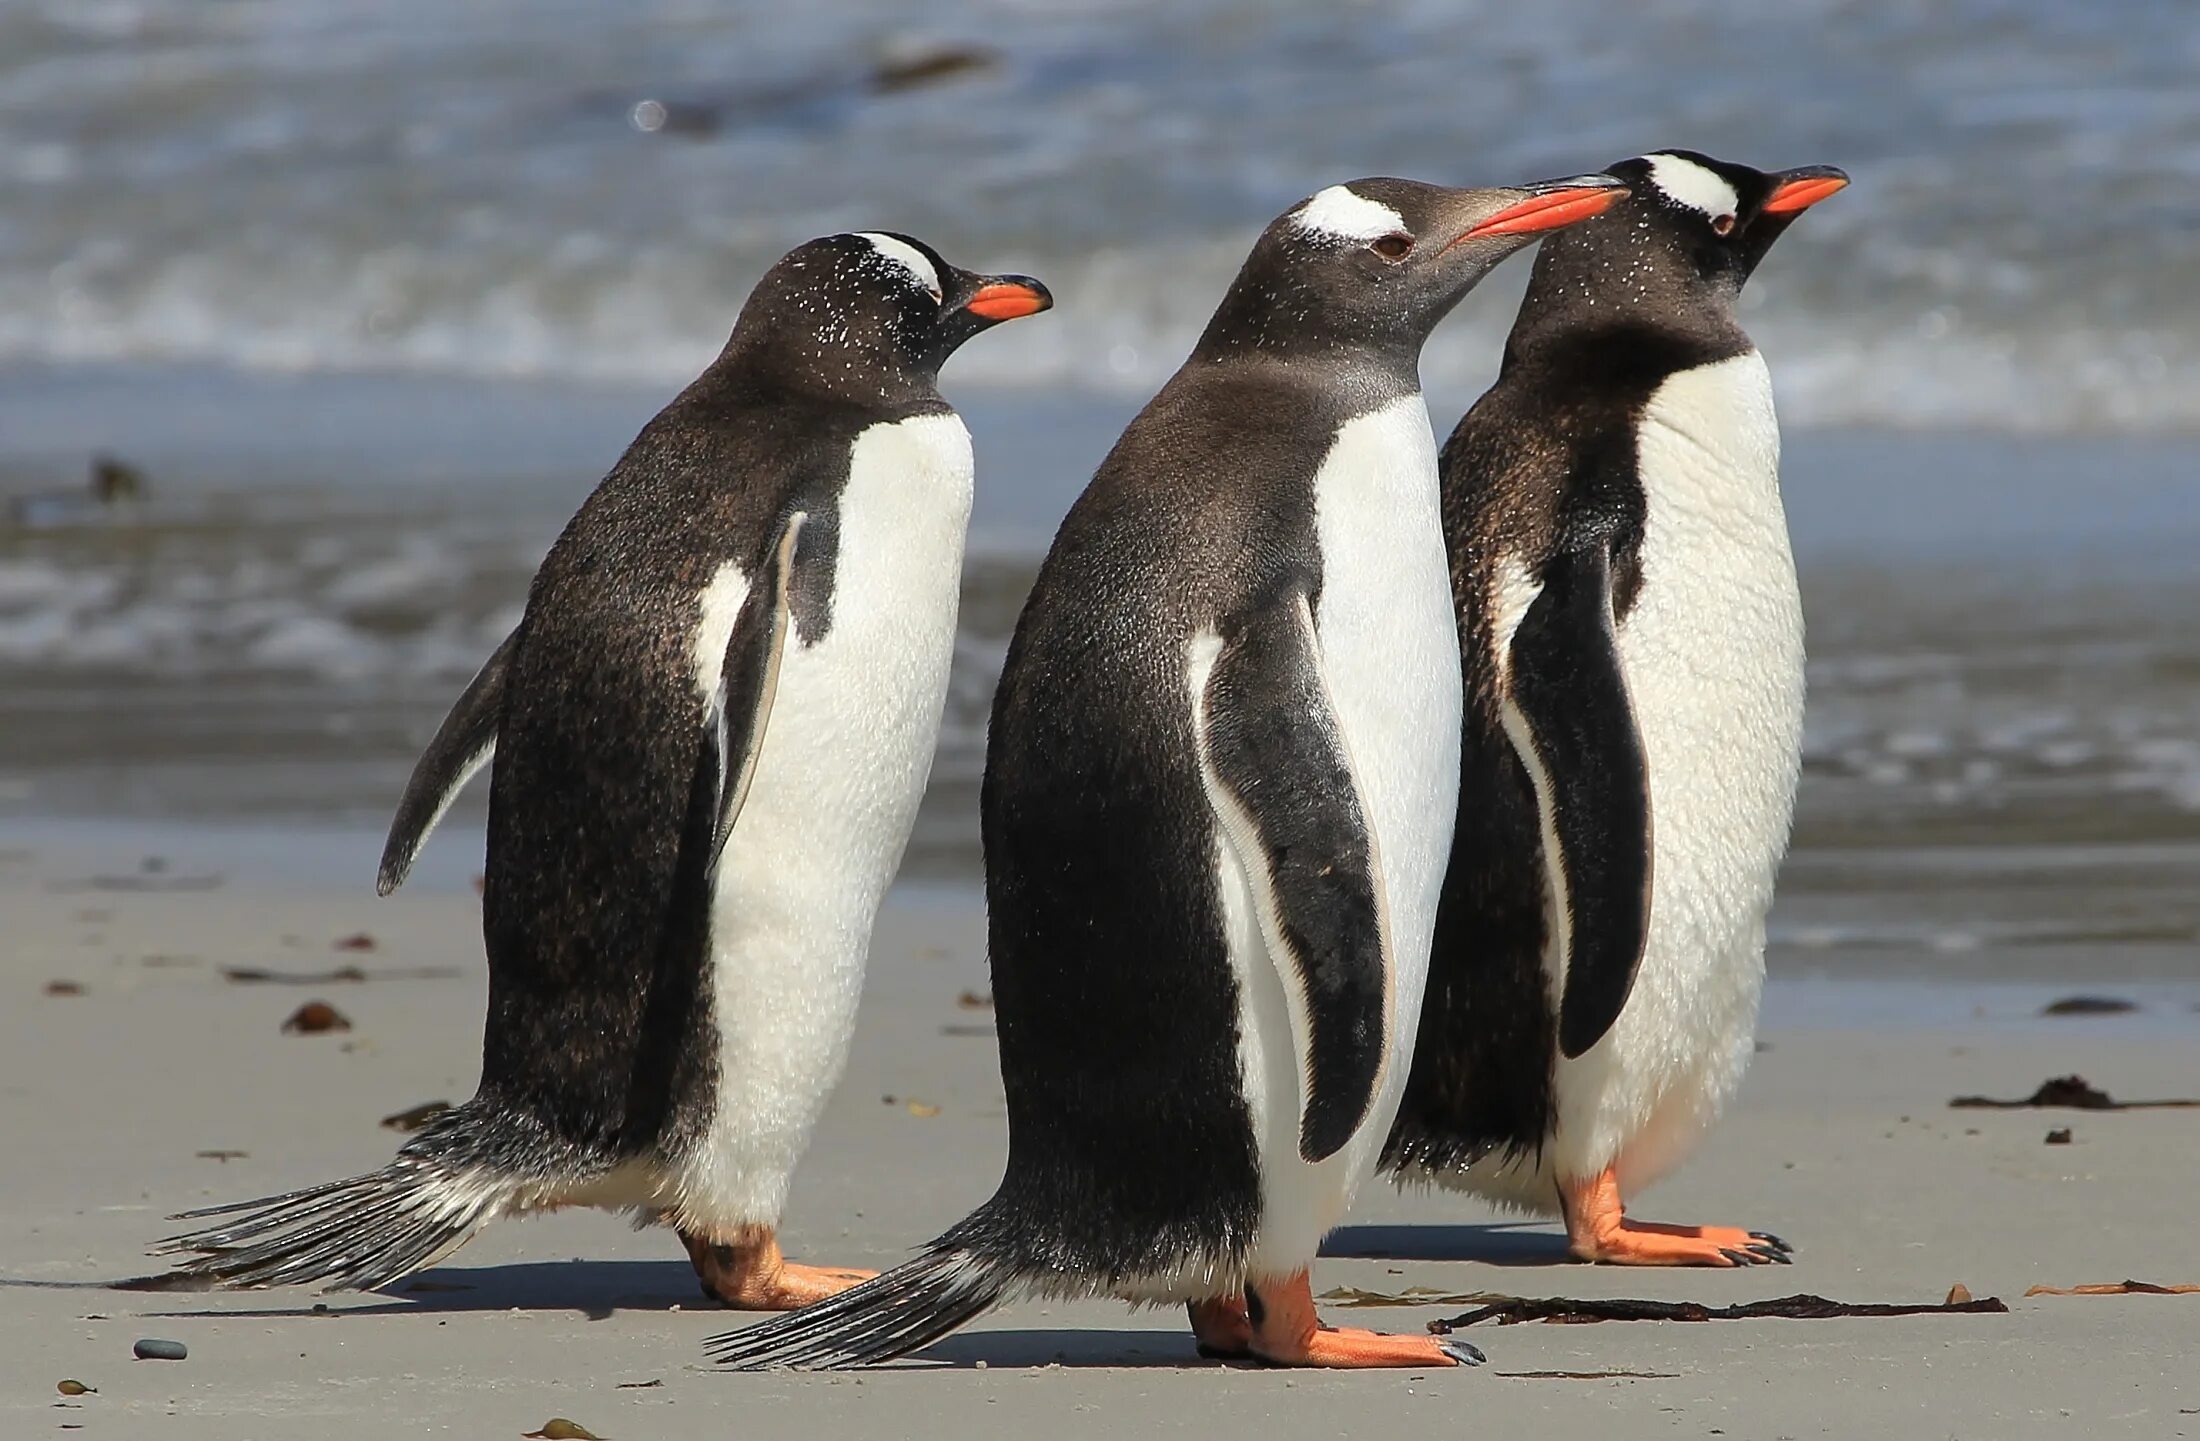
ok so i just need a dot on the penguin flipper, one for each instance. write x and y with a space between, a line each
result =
462 745
741 702
1569 718
1281 780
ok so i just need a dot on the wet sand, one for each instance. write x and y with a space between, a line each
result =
1842 1142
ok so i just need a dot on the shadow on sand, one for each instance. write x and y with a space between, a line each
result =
1033 1348
600 1290
1509 1243
595 1289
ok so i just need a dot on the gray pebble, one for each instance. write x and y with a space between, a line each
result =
151 1348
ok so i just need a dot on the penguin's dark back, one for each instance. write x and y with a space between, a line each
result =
595 912
1116 1006
1545 460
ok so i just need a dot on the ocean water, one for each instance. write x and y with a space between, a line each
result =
373 294
2002 746
566 189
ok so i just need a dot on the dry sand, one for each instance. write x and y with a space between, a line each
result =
110 1101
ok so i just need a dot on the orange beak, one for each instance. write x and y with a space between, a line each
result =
1007 299
1557 203
1801 189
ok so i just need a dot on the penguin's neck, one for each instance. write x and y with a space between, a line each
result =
816 366
1287 324
1572 294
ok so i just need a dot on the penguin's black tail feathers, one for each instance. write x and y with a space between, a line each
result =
889 1315
355 1234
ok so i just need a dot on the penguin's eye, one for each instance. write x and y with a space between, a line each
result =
1723 225
1395 246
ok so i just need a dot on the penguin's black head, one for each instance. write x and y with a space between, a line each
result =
873 312
1697 223
1371 266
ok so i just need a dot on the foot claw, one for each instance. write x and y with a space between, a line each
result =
1599 1230
1286 1332
1461 1352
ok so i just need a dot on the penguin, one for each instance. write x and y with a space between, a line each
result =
1216 806
1631 644
711 731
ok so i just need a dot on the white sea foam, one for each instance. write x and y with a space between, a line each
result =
316 187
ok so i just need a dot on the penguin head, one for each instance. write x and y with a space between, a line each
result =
875 310
1374 264
1706 221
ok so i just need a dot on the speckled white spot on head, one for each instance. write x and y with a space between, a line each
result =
901 253
1687 183
1342 213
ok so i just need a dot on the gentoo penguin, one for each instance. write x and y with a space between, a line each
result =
711 729
1632 646
1217 802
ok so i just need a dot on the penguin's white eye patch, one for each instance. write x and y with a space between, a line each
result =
902 256
1341 213
1395 246
1684 182
1723 225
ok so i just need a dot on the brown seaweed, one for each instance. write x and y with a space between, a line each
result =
1512 1310
414 1117
2068 1093
341 975
1586 1375
2089 1006
315 1017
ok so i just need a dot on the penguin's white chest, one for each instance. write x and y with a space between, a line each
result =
1390 653
847 749
1713 655
1390 649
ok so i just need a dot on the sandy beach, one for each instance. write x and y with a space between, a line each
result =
211 704
132 1099
318 320
210 708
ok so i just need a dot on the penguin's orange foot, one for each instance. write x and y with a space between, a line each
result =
1285 1332
749 1273
1597 1229
1222 1328
1647 1243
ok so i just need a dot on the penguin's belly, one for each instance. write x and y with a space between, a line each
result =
1390 653
847 749
1713 654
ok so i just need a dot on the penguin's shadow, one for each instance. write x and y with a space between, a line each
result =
1029 1349
1503 1243
598 1290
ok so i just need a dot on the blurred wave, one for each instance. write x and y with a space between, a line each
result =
557 188
1960 703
